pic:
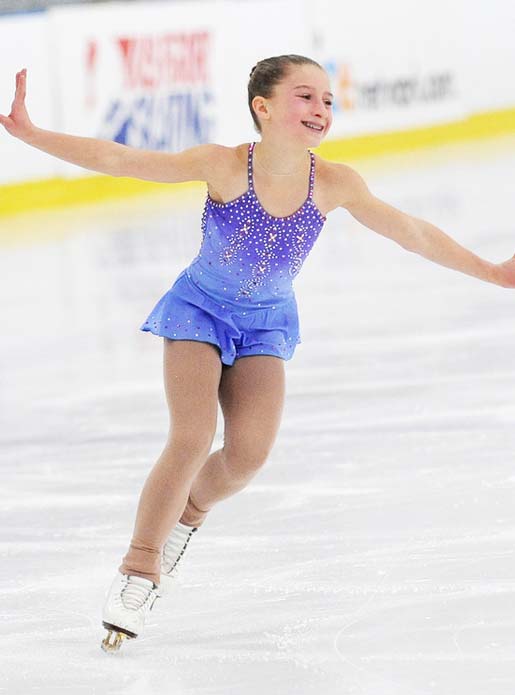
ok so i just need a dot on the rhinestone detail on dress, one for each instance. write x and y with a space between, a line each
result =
250 254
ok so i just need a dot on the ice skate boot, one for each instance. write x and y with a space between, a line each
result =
127 604
172 552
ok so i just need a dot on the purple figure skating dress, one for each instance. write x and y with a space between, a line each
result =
237 293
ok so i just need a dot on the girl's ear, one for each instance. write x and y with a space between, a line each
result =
260 106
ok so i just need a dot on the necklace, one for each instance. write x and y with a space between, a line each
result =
271 173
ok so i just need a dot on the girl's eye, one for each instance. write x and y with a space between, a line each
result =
308 96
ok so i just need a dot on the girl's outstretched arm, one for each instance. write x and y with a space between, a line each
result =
107 157
414 234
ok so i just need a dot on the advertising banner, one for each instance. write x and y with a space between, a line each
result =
394 66
170 75
165 76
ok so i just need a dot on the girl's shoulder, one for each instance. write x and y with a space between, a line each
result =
331 171
229 160
337 182
236 155
229 171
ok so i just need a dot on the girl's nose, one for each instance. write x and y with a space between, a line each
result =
318 108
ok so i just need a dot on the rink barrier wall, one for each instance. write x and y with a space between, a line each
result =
156 76
62 192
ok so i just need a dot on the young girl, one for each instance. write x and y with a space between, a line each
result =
266 205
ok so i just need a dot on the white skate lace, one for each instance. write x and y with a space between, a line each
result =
135 596
174 549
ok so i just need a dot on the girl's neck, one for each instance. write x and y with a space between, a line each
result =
281 159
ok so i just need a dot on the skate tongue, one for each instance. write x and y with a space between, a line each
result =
137 592
141 581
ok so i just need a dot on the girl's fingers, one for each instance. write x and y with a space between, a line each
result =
23 83
19 75
20 88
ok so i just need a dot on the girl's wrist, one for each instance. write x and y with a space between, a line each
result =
30 137
499 275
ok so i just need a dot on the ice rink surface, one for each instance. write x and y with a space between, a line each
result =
373 554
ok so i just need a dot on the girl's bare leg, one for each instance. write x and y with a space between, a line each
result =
252 395
192 372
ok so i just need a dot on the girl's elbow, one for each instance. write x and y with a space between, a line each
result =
412 238
114 166
120 162
411 246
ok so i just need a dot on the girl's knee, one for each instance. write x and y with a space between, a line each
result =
244 462
187 454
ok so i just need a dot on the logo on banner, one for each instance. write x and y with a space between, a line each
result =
166 96
352 94
91 69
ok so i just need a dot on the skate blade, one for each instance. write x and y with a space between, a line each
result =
115 638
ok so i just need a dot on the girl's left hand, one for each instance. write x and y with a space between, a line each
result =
505 273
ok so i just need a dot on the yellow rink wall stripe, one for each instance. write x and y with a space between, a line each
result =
59 192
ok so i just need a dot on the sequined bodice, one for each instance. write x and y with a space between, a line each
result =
249 257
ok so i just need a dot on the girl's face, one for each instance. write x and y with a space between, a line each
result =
303 97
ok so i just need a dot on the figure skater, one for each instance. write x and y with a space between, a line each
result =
229 321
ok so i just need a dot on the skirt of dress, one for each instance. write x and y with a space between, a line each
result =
187 312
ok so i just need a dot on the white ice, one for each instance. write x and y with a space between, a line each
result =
373 554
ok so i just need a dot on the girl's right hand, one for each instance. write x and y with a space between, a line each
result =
18 123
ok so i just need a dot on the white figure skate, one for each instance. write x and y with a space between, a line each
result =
127 604
173 551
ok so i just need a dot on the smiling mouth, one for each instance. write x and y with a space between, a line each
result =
313 126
